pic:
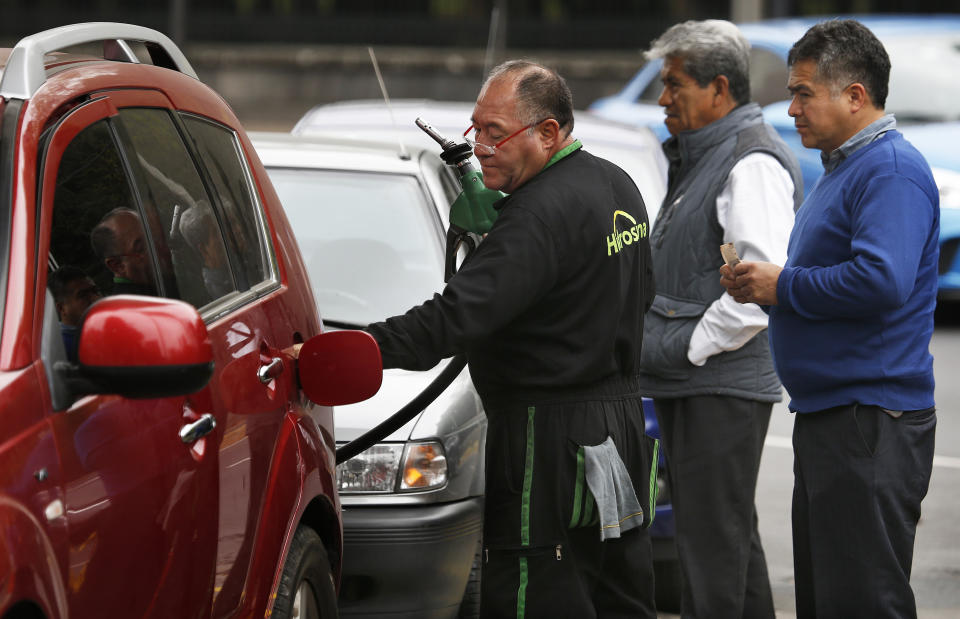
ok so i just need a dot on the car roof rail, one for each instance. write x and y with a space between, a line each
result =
26 72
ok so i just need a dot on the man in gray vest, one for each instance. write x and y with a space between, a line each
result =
705 360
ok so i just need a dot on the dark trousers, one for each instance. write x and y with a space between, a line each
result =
713 446
859 478
543 555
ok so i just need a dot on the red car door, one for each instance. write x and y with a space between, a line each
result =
140 503
255 380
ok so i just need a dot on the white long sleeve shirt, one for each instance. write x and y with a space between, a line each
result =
755 210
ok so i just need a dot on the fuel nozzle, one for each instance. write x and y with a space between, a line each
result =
472 213
452 153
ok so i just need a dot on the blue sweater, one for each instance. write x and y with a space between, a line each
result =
857 294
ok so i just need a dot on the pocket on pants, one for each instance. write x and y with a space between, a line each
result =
530 582
642 468
868 422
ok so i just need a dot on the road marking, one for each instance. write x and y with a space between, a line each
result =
779 441
785 442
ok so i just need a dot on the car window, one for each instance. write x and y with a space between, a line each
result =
177 207
242 216
369 240
451 186
768 77
91 182
651 94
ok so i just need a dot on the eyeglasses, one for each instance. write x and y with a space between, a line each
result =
138 255
488 149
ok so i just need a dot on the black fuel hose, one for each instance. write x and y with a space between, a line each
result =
413 408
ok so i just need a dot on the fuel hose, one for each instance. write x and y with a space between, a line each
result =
405 414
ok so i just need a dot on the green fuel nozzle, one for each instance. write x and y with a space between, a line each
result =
472 213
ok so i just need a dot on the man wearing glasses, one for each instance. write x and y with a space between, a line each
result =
120 242
549 311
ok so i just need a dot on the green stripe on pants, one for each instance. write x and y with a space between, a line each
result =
525 514
654 490
578 491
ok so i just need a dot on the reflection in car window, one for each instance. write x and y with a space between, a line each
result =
177 207
242 218
90 183
370 245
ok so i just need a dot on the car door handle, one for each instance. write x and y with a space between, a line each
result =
192 432
271 370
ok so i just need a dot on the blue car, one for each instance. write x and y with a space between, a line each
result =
924 96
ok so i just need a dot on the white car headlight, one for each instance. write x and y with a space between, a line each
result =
373 470
378 469
948 182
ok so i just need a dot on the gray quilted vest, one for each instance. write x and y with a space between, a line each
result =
686 241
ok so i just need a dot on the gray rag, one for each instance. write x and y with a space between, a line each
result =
610 484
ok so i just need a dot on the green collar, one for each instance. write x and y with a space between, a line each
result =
121 280
569 148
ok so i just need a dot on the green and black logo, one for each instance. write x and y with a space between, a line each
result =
620 238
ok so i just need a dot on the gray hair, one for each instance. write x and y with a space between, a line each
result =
541 93
196 223
708 49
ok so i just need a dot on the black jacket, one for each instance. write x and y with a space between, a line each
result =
554 297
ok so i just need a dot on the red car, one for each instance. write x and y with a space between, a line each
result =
163 453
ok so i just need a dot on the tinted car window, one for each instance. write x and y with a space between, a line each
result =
177 207
350 223
91 181
768 77
243 220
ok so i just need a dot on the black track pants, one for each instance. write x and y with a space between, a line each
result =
543 556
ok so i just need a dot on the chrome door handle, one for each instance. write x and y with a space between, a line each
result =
192 432
268 372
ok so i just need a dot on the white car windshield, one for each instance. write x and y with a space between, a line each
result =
370 241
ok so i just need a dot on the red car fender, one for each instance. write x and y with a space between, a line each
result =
28 565
295 479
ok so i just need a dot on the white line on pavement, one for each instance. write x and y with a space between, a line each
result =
786 442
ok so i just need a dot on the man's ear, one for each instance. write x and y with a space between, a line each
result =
857 96
721 87
549 132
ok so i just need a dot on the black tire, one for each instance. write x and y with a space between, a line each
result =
668 582
470 605
306 588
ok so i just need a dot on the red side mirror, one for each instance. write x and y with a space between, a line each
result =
144 347
340 367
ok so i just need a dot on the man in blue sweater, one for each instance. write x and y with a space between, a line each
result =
851 316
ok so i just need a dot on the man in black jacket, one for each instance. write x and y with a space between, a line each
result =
549 311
